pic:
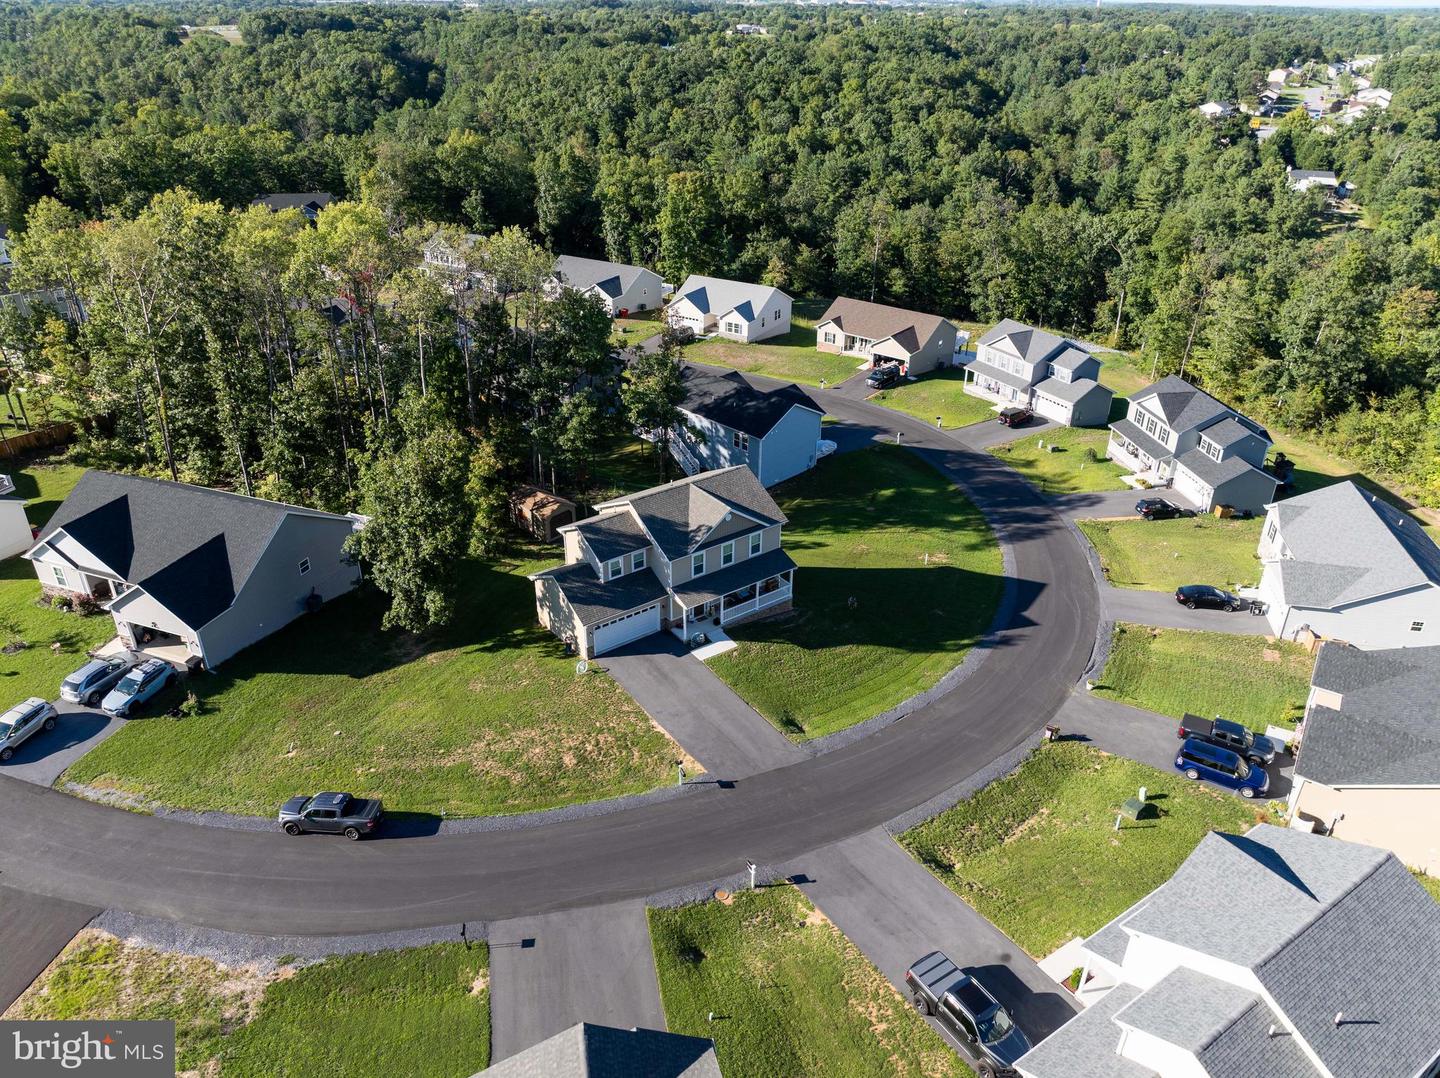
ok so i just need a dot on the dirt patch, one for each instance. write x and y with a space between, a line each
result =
815 917
725 898
481 983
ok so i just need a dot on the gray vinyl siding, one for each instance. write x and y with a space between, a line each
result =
276 592
1093 409
1249 491
680 567
788 449
1252 448
718 450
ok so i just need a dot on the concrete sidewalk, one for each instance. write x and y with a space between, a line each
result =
895 911
33 930
588 965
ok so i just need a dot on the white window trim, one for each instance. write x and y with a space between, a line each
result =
756 542
614 567
304 566
637 560
727 553
1417 626
59 576
699 556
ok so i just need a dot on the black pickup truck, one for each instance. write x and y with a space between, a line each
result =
1257 748
939 987
331 813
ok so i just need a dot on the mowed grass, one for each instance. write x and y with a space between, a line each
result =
630 331
791 357
790 994
485 717
1430 883
422 1012
624 465
1077 463
1037 854
1247 679
938 394
1161 555
899 576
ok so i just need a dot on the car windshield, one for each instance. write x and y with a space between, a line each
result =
996 1027
7 726
130 683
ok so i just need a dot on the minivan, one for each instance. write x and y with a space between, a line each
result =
1197 760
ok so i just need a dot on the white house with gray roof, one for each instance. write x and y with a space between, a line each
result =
1274 954
1368 765
733 309
619 287
1175 434
190 573
1021 366
701 551
1344 564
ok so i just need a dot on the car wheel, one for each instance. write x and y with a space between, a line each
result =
49 724
93 700
921 1004
1234 608
352 833
292 828
1191 773
985 1070
1247 792
1190 604
5 755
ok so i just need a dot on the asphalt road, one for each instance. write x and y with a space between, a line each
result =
61 846
33 930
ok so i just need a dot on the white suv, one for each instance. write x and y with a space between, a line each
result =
22 721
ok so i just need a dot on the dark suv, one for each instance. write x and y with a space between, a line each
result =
961 1003
884 376
1160 509
1193 595
1015 417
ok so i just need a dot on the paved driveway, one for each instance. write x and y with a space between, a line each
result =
33 930
1160 608
990 432
894 910
1101 504
79 729
586 965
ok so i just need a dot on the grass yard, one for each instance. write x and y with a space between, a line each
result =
1244 678
1036 852
485 717
624 465
937 394
1077 464
1430 883
635 328
1161 555
790 994
883 528
791 356
422 1012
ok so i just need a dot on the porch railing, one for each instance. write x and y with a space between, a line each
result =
687 460
729 611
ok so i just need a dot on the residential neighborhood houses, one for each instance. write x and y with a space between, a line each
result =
919 343
728 421
1016 364
620 289
731 309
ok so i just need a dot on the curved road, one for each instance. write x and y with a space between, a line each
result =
57 845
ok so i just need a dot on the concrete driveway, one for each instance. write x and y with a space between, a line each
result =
585 965
990 432
895 911
78 730
1159 608
33 930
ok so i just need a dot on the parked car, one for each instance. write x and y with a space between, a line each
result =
1193 595
331 813
1200 760
683 334
1015 417
883 376
139 685
1160 509
1257 748
22 722
91 682
963 1005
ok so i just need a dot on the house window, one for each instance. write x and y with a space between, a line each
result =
777 314
59 575
732 327
637 560
615 568
1150 424
740 441
1417 626
1270 532
762 321
755 541
829 338
304 566
727 554
697 564
1164 434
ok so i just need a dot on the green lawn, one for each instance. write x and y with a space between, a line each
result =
1077 463
792 356
1244 678
1161 555
1037 854
1430 883
884 530
636 328
791 995
422 1012
624 465
937 394
485 717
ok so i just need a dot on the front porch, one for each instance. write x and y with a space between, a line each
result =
170 649
744 590
982 381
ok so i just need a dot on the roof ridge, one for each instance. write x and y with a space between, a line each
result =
203 489
1326 908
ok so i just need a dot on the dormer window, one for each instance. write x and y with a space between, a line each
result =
615 568
1209 448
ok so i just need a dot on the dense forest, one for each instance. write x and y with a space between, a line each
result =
1046 164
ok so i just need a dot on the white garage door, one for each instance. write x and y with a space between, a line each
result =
1187 484
609 635
1051 408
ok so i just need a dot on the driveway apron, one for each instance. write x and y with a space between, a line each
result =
33 930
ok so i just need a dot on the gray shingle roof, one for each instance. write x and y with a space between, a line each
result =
612 534
728 399
1347 545
1073 392
744 572
294 200
716 295
590 1051
1387 730
1085 1046
595 600
1032 344
1247 1048
612 278
1183 405
911 329
681 514
1003 377
1071 357
191 548
1229 431
1147 442
1187 1008
1215 472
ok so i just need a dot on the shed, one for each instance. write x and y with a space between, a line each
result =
539 512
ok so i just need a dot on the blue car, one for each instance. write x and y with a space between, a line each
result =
139 685
1199 760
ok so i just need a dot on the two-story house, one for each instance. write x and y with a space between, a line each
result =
728 421
881 334
1341 563
1021 366
619 287
701 551
1271 953
732 309
1368 765
1176 434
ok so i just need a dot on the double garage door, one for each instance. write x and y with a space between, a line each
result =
1053 409
609 635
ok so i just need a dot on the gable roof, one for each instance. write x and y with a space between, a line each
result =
190 547
1183 406
679 515
590 1051
1073 391
876 321
611 534
730 400
294 200
612 278
1214 472
1386 730
1030 343
716 295
594 600
1347 545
